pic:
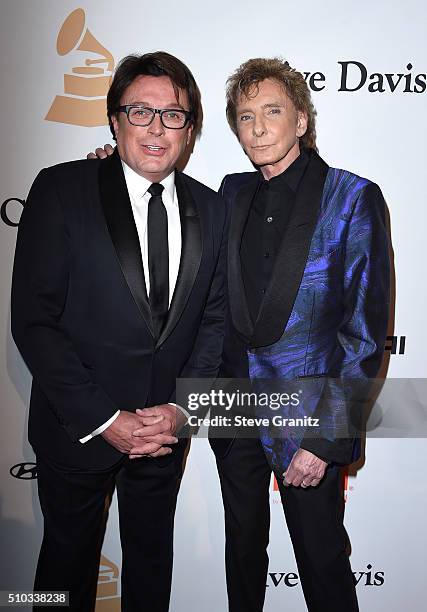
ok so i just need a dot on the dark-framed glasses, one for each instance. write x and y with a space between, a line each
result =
171 118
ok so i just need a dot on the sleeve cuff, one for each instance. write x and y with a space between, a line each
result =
100 429
184 412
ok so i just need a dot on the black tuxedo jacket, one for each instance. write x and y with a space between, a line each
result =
80 312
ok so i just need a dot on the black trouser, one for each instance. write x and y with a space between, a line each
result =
73 505
314 517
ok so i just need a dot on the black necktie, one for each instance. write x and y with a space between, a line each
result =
158 257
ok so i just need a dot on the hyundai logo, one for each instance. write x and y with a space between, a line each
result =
24 471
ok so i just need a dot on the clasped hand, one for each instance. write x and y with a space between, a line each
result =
146 432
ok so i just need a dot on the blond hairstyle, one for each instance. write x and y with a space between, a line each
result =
251 73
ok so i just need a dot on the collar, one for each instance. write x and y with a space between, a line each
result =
138 185
290 177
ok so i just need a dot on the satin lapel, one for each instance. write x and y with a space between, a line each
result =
121 226
238 303
191 254
291 259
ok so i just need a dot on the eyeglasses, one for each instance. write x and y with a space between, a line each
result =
171 118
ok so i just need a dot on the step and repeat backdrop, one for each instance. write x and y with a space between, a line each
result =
366 65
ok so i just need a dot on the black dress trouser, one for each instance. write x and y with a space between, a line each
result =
74 506
314 517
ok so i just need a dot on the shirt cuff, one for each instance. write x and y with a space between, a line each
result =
100 429
184 412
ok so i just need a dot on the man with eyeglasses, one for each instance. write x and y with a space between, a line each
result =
118 290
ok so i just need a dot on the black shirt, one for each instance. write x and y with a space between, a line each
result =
265 228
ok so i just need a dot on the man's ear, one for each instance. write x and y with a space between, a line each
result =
115 123
301 123
189 133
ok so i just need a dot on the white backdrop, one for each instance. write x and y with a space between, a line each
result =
378 134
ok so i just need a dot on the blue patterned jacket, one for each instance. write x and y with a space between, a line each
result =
325 312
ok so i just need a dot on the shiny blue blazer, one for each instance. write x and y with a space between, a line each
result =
324 316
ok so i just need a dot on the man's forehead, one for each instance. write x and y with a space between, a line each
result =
267 90
144 87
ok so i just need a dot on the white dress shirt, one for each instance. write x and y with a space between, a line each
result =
139 197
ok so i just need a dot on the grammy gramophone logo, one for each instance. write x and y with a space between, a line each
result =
85 89
107 597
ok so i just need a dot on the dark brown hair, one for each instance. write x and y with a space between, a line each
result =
247 77
158 63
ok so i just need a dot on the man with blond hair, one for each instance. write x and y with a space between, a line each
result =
308 277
